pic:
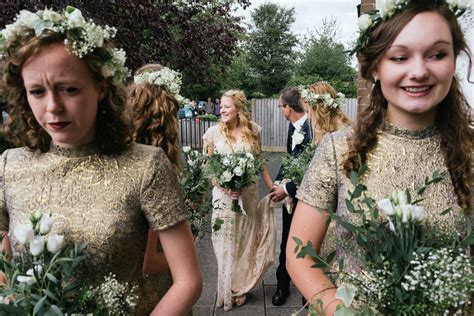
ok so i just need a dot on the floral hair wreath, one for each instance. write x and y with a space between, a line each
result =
387 8
325 99
166 78
82 36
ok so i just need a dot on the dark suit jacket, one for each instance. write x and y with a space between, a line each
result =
291 186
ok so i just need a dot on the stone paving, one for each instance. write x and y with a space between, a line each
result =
259 300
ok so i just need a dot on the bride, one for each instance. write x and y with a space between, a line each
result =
245 244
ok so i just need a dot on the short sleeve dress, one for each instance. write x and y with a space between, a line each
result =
401 159
108 202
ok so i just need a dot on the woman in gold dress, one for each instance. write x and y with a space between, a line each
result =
153 109
418 121
66 106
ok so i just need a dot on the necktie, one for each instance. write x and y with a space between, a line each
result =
291 130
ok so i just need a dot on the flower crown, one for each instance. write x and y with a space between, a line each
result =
325 99
387 8
82 36
166 78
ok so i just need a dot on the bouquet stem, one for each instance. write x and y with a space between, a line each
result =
236 207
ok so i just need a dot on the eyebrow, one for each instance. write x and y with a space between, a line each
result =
434 44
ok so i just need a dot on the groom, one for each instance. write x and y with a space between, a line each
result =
299 135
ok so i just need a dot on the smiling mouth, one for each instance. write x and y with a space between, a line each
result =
58 125
417 90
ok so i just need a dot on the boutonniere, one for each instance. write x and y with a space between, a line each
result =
297 137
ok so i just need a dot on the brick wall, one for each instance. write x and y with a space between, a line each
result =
364 86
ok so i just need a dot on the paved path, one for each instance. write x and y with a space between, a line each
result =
258 300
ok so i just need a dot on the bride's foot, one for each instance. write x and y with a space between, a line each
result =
241 299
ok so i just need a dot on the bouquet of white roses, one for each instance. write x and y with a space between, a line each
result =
406 268
46 277
294 168
235 172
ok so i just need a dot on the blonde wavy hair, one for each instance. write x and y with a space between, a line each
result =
154 117
243 120
325 119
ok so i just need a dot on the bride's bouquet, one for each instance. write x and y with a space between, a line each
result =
407 267
45 278
235 172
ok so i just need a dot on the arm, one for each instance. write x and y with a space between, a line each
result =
6 249
266 176
179 249
309 224
154 261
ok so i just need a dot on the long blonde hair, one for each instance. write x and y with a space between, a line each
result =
243 120
154 116
325 119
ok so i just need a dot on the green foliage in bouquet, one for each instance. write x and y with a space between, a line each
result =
208 117
195 185
234 172
406 266
48 277
294 168
43 280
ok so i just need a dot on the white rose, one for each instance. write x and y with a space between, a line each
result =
75 19
226 176
24 233
37 246
27 18
238 171
249 155
46 223
9 31
55 243
186 149
386 206
418 213
296 139
226 161
50 15
364 22
191 162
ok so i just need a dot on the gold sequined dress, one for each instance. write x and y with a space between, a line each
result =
107 202
401 159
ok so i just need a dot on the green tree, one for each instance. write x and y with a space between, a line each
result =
323 57
271 44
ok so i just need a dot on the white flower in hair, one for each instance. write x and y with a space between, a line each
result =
364 22
82 37
166 78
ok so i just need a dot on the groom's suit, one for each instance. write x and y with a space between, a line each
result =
282 275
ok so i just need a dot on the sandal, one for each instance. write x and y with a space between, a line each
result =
241 299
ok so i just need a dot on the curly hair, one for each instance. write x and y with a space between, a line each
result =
453 118
154 117
325 119
22 129
244 121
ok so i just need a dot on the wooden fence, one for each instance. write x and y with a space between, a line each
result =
265 112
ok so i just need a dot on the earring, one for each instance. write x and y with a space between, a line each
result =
376 79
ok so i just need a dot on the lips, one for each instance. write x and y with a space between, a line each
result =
418 91
58 125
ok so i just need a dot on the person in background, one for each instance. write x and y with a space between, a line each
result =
299 135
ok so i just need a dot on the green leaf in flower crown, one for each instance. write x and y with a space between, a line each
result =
350 206
331 257
11 310
51 277
55 311
354 178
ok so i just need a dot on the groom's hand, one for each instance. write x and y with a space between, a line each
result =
277 193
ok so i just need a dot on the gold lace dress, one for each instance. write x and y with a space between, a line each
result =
107 202
401 159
